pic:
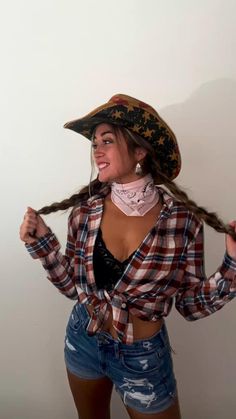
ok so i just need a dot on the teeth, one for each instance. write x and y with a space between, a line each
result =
101 166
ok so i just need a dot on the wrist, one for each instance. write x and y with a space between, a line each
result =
232 255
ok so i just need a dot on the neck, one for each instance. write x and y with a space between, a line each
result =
135 198
133 183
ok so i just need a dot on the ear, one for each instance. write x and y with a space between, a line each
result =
140 153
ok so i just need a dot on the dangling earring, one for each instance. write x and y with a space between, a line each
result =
138 169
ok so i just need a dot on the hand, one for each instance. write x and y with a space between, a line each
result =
230 242
32 227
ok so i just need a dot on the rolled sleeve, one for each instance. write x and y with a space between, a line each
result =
228 268
198 295
59 266
43 246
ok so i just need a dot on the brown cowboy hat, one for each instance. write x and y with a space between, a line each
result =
140 118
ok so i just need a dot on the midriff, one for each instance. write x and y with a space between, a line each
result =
122 240
142 329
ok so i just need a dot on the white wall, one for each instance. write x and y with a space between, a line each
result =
60 59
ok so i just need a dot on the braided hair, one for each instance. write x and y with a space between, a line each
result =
150 165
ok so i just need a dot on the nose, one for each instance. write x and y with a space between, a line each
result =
99 150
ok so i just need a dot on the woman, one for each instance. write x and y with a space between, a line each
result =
132 248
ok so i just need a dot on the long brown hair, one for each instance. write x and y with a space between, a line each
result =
150 165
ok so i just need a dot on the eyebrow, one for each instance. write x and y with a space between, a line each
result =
103 133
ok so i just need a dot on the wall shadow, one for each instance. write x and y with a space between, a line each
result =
205 128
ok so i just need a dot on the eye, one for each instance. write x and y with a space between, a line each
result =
107 141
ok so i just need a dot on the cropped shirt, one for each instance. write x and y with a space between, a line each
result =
167 267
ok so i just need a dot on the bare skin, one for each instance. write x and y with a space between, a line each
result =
92 400
125 236
92 397
122 240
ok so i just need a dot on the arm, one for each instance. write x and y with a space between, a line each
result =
59 267
198 295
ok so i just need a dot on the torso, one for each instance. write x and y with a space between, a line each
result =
122 237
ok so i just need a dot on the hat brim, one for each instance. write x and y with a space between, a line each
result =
149 125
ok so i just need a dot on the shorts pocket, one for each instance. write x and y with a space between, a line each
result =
75 322
144 362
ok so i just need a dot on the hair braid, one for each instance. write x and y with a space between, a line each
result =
150 165
210 218
93 188
60 206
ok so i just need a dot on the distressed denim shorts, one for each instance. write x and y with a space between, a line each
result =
141 372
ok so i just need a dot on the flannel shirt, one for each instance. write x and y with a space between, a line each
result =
167 266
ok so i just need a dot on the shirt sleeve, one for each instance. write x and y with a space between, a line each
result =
59 267
198 295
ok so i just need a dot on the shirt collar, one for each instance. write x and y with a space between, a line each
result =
168 200
96 199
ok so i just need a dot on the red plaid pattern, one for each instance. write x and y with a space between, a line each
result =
168 266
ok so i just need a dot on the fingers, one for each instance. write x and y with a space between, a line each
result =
233 224
29 226
33 226
232 235
29 209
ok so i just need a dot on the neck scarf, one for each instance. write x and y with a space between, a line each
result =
135 198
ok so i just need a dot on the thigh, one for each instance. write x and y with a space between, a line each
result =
92 397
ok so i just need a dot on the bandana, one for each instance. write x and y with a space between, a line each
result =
135 198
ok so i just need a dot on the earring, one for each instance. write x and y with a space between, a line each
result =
138 169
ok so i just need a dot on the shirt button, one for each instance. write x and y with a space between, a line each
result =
123 305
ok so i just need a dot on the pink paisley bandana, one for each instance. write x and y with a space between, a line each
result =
135 198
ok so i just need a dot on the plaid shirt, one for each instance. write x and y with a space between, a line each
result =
167 266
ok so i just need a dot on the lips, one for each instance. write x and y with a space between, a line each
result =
102 165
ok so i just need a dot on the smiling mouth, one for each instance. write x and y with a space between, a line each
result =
103 166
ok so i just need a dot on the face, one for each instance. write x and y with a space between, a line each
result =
111 156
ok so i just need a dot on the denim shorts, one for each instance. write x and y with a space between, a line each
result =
141 372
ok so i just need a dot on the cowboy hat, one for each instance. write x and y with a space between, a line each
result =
139 118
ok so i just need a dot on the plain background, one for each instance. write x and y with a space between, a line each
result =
59 60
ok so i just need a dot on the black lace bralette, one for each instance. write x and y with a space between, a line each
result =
107 269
